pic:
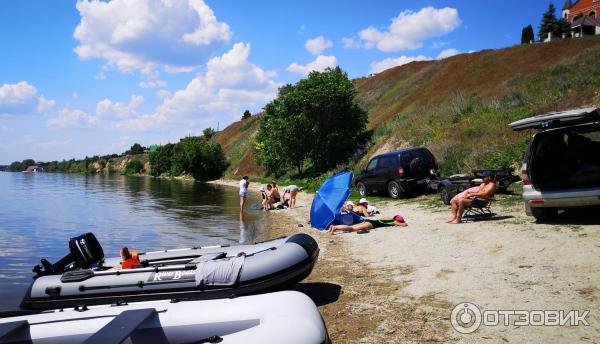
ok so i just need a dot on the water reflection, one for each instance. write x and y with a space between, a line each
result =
39 212
247 229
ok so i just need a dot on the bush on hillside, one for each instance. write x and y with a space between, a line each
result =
134 166
316 121
208 133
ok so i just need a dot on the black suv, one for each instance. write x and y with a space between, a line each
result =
398 172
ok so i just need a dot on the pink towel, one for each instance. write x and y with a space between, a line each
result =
464 193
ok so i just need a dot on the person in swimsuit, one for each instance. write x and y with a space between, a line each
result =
366 225
293 191
269 197
275 193
243 191
362 207
485 192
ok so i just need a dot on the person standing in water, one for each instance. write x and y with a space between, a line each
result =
243 191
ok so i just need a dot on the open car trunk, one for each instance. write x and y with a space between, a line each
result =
566 158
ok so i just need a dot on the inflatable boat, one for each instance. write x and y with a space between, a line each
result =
282 317
85 277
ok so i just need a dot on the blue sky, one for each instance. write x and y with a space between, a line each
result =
88 77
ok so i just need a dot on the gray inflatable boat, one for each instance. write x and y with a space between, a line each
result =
281 317
84 277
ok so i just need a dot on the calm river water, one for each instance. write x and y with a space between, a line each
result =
39 212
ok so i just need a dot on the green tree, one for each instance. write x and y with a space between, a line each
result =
134 166
563 26
208 133
549 23
160 159
316 121
28 162
246 114
285 89
136 149
16 166
527 35
203 160
194 155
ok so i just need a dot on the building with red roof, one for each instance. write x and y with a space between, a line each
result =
583 16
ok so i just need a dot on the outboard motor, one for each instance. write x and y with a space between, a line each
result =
85 250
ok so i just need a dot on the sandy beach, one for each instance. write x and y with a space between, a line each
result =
400 284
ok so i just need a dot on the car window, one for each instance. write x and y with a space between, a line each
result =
372 165
405 158
420 153
386 162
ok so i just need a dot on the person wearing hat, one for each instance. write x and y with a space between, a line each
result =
486 190
362 207
367 225
348 207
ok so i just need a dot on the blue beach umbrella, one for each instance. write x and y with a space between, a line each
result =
329 200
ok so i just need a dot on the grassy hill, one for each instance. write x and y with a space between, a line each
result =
459 107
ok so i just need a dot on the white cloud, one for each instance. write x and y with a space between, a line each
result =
72 118
44 104
100 75
350 43
438 45
141 123
162 94
318 64
145 35
22 98
152 84
107 108
317 45
409 29
447 53
50 145
230 85
378 66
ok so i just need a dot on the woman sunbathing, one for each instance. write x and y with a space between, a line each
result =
398 220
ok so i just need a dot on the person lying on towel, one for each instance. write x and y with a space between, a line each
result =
366 225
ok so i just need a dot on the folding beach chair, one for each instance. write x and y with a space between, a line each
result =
479 212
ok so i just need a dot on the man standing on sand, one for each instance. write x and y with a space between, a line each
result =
478 198
243 191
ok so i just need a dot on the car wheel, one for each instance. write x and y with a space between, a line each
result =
362 189
544 214
446 195
395 190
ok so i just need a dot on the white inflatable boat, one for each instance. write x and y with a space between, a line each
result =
281 317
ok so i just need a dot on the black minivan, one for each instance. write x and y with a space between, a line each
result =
398 172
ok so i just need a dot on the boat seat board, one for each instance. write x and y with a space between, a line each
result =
7 329
121 327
